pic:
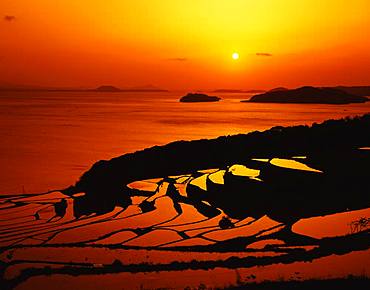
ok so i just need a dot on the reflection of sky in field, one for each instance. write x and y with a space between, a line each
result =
89 231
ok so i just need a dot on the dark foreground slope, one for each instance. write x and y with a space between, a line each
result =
308 95
107 178
363 91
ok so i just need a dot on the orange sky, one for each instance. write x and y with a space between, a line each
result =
185 44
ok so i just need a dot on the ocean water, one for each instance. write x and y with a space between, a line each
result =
48 139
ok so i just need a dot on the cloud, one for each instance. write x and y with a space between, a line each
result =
263 54
177 59
9 18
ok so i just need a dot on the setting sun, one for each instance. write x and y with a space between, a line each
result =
235 55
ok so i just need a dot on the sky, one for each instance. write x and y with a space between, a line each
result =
189 44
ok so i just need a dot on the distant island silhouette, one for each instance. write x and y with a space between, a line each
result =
233 91
362 91
197 97
112 89
308 95
359 91
107 89
277 89
102 88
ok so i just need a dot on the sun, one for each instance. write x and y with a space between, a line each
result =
235 55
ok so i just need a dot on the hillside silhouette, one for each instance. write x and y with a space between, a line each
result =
308 95
107 88
285 195
363 91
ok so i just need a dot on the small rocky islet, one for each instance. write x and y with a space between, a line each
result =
197 97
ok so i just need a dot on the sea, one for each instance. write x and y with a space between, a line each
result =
48 139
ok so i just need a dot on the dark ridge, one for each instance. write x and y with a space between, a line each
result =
104 88
139 89
195 98
233 91
254 91
182 157
278 89
308 95
143 90
107 89
361 91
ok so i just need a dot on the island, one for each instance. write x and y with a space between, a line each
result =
107 89
308 95
102 88
196 97
363 91
278 89
144 89
234 91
